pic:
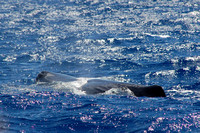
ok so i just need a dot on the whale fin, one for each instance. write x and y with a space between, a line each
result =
148 91
50 77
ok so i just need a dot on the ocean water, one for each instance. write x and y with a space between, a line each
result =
142 42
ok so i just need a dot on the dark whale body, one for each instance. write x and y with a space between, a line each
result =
96 86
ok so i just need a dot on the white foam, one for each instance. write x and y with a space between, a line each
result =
101 41
174 61
166 73
13 89
74 86
186 68
10 58
52 38
155 35
35 12
178 89
196 58
117 91
194 13
126 39
111 40
198 68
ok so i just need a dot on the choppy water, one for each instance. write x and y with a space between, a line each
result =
142 42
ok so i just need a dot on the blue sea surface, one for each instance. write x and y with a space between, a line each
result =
141 42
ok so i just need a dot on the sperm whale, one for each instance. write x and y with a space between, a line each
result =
98 86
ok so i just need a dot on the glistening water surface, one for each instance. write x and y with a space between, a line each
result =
142 42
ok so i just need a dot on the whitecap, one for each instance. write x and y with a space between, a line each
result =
111 40
126 39
53 38
198 68
194 13
174 61
10 58
186 68
195 58
155 35
166 73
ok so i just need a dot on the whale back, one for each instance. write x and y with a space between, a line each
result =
97 86
50 77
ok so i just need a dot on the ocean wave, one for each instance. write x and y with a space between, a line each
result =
143 42
161 36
